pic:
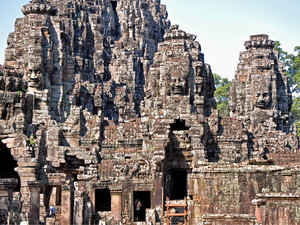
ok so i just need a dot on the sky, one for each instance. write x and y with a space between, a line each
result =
9 11
221 26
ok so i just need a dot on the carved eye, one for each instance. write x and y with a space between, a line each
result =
265 95
257 94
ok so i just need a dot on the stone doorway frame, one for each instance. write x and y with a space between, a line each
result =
132 205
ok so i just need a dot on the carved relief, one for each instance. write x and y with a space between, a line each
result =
137 170
35 78
262 91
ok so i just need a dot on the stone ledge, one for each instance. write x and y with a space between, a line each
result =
278 196
228 218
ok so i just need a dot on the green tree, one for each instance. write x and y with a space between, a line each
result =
296 113
292 66
222 95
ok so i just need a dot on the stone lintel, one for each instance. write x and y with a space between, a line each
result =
34 185
278 196
7 183
228 218
116 189
67 187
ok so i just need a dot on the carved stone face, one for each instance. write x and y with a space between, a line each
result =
263 99
178 86
35 78
263 92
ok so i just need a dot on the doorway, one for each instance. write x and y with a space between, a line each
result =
8 165
179 184
103 200
145 199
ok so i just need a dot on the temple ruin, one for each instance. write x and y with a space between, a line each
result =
103 104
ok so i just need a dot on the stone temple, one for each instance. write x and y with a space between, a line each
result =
104 104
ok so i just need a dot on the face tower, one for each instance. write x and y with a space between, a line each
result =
260 94
261 98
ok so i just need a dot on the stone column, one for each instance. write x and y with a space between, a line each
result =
26 171
78 209
66 205
158 189
116 204
34 214
258 210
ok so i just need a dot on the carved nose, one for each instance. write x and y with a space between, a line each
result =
33 75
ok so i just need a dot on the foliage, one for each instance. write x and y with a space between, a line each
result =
22 90
297 124
292 66
30 141
222 95
296 113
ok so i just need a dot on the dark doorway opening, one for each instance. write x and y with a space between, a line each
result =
8 165
145 199
179 125
179 184
102 200
212 154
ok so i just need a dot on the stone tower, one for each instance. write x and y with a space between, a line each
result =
71 68
179 81
261 98
260 93
102 102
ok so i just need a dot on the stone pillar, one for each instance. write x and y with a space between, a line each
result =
258 210
26 170
34 214
78 209
158 189
66 205
116 204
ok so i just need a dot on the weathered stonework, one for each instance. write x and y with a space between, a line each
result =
103 103
260 96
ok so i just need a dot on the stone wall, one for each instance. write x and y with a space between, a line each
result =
230 190
108 95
